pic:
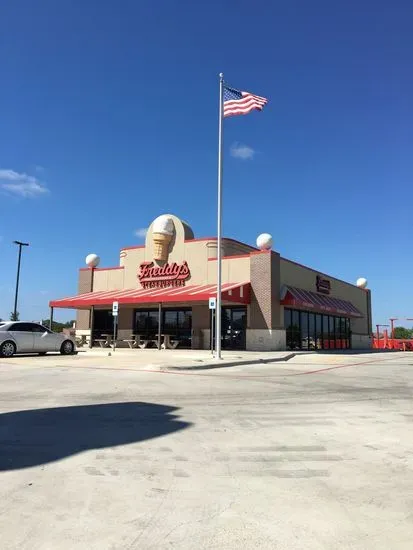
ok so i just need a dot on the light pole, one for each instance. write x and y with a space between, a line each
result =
20 245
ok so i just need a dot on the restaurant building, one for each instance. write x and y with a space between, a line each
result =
268 302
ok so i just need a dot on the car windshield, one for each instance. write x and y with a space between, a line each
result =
4 326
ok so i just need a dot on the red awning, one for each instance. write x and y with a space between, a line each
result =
297 297
231 292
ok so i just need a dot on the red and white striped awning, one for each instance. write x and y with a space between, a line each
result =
305 299
231 292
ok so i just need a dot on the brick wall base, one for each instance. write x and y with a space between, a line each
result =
266 340
360 341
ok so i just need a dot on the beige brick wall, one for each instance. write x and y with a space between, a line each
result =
235 270
200 323
84 285
108 279
229 248
82 319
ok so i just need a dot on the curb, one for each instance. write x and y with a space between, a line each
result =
222 365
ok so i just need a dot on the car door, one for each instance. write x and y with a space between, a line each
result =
23 336
44 340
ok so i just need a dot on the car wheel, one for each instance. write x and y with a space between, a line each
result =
7 349
67 348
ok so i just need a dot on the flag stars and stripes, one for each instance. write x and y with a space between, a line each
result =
241 103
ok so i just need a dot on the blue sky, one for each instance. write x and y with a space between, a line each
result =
108 117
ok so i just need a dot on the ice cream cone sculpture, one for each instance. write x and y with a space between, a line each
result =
162 234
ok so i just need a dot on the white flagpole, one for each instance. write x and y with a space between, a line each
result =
219 221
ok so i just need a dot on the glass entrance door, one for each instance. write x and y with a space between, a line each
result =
234 324
102 322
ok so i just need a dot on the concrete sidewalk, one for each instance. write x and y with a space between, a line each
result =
204 359
191 360
188 359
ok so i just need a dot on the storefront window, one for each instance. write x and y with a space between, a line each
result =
169 322
348 333
175 322
343 332
332 340
293 329
140 321
295 320
337 328
326 332
319 331
184 319
153 323
304 330
287 319
310 331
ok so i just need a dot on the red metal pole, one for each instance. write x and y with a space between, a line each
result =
392 330
378 336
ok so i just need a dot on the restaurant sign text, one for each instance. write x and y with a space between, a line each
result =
168 275
323 285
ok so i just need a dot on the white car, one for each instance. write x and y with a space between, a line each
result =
22 337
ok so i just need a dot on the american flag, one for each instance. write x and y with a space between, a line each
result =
241 103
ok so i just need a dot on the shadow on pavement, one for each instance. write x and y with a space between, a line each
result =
38 436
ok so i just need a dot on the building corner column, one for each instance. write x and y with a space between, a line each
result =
263 331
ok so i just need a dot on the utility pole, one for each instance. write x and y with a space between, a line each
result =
20 245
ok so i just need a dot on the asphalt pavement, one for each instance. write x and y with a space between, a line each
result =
107 453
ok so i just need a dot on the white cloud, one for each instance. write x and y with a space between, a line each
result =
21 184
44 292
141 232
243 152
38 168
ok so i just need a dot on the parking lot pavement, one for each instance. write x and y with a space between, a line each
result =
138 358
296 455
188 359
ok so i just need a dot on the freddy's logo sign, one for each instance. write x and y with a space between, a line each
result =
169 275
323 285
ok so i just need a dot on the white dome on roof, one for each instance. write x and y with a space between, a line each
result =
92 260
362 282
264 241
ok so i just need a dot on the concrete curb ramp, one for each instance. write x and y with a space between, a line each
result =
231 363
